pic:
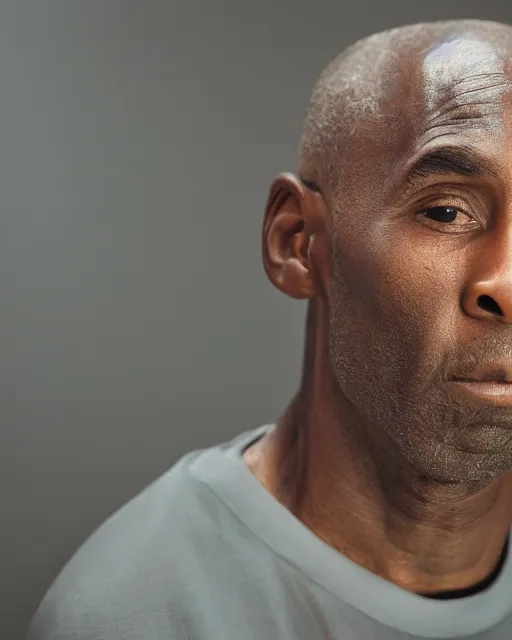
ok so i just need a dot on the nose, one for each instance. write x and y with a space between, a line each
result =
489 300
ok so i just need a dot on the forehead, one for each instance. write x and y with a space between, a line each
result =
465 88
454 92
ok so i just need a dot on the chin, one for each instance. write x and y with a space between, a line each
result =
459 467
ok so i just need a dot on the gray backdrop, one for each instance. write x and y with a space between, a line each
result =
138 139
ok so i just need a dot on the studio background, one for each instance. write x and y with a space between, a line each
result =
138 140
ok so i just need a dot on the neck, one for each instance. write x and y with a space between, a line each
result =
368 504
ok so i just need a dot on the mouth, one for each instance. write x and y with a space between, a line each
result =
496 390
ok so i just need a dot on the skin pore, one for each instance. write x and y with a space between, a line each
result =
398 230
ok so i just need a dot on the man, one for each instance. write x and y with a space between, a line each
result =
379 506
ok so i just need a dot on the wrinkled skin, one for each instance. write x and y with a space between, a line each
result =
410 284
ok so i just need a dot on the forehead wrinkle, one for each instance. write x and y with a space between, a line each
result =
463 83
481 82
471 103
454 62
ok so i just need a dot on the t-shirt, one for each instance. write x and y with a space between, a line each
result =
207 553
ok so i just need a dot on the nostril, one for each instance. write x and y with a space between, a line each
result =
488 304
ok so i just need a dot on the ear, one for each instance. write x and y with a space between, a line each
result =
292 218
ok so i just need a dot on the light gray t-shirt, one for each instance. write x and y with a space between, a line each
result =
206 553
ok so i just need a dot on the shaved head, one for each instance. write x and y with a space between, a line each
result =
353 94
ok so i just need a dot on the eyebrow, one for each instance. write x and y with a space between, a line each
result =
462 161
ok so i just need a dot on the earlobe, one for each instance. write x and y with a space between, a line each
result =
287 237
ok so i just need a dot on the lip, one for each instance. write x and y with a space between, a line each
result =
494 392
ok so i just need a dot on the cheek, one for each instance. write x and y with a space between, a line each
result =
418 296
393 316
419 286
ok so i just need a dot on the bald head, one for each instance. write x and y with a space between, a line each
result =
379 86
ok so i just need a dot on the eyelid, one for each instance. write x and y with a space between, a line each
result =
449 205
470 204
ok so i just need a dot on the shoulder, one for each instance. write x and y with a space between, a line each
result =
126 580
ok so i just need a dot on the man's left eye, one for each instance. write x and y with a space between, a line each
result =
442 214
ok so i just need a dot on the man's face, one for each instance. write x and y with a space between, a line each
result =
422 253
